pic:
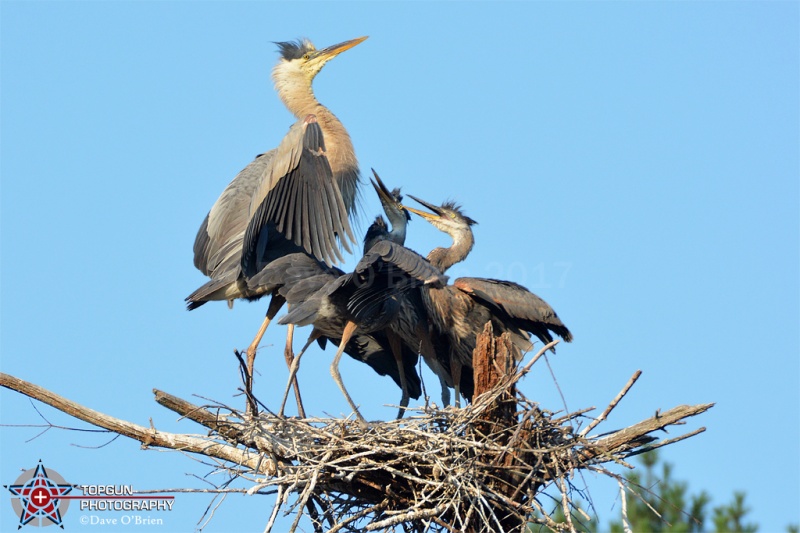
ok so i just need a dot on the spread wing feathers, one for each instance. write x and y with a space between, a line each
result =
522 308
385 271
299 195
224 226
373 349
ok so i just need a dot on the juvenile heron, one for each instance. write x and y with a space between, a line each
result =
411 324
298 275
460 311
266 212
366 301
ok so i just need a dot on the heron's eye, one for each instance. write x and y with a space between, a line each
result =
306 56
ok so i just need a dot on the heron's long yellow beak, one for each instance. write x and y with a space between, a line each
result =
333 51
423 214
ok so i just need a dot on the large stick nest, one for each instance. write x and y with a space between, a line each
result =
481 468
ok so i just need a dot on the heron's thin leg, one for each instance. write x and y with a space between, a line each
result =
349 329
429 354
293 370
275 304
288 354
455 369
445 392
397 350
251 352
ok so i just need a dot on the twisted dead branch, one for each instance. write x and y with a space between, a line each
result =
480 468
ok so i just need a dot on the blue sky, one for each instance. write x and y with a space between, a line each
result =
635 164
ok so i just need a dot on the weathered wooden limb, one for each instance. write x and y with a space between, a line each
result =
632 436
149 437
224 426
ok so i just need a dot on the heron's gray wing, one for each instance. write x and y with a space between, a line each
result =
300 197
289 270
221 233
308 297
387 253
202 243
526 310
227 259
386 270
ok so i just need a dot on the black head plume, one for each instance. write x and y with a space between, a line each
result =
290 50
456 208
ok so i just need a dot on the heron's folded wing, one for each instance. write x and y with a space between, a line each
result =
525 308
308 297
226 222
289 270
220 288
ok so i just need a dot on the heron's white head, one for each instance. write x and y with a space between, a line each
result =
447 217
299 63
450 219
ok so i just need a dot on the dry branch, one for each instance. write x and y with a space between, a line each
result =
147 436
613 404
474 469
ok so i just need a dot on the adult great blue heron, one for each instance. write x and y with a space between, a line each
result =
305 141
275 206
460 311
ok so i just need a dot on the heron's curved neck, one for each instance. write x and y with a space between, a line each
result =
297 95
295 91
444 258
399 223
399 234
